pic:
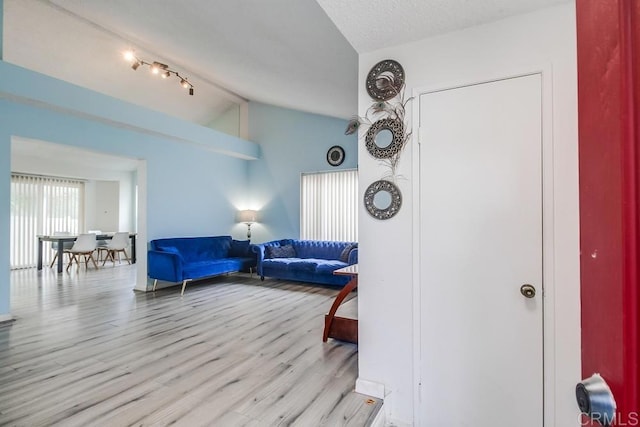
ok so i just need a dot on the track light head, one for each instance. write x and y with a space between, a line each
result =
129 55
156 68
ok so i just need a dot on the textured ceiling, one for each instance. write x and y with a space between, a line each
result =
374 24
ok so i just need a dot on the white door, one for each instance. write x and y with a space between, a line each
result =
480 241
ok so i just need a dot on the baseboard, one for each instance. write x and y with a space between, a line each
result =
380 419
142 287
370 388
5 318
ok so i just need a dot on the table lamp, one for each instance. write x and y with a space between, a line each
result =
248 216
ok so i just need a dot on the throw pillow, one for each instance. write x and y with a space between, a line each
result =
239 248
286 251
344 255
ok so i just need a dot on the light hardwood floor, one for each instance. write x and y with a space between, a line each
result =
86 350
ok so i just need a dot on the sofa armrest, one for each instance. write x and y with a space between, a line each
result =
353 256
261 253
164 266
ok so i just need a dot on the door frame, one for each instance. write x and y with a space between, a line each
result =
548 256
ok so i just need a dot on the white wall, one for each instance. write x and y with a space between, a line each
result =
106 205
540 40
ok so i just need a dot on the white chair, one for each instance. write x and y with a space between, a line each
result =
84 245
101 244
119 243
65 246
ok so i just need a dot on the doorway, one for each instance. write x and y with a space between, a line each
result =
481 254
125 177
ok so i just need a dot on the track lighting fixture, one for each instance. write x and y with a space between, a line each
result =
157 68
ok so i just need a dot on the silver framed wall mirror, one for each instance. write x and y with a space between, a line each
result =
385 138
382 199
385 80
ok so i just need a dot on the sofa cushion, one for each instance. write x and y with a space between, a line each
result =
285 251
215 248
279 263
303 265
239 248
322 249
344 255
197 248
328 266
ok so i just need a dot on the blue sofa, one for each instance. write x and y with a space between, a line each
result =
306 260
184 259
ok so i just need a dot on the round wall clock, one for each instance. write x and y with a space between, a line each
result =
335 155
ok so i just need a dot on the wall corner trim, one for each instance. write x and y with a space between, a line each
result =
370 388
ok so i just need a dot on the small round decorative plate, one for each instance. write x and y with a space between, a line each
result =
385 80
335 155
396 127
392 205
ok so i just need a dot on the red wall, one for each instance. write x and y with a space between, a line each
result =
609 125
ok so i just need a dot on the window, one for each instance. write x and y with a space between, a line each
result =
329 206
42 205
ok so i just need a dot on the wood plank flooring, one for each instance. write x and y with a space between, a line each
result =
86 350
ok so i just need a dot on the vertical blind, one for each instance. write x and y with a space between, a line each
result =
42 205
329 206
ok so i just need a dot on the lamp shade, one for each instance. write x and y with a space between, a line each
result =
248 216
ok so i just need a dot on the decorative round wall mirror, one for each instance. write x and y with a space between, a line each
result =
384 138
382 199
385 80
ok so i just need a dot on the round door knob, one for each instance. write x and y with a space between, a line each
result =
528 291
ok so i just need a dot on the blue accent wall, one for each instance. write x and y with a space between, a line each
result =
197 178
193 186
291 142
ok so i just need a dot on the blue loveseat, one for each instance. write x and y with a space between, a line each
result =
306 260
183 259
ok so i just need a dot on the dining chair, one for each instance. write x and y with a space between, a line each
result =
65 245
84 245
119 243
101 244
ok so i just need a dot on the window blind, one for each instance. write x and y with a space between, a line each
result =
329 206
42 205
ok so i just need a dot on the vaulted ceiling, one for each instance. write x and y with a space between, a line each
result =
298 54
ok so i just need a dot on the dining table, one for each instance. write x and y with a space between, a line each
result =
71 238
